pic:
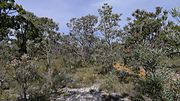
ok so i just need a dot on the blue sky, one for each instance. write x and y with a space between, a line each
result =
63 10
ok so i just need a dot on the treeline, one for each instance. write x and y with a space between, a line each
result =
29 45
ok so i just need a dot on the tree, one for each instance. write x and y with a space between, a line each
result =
23 72
146 26
8 11
82 36
175 12
172 43
109 24
25 32
50 40
151 38
49 43
15 27
110 36
146 29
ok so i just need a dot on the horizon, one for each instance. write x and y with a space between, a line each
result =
66 9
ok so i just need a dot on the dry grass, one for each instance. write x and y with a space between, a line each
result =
87 76
83 77
111 84
173 63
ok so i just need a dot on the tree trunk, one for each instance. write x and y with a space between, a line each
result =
24 94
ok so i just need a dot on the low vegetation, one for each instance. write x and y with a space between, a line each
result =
36 60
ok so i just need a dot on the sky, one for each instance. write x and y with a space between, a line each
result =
63 10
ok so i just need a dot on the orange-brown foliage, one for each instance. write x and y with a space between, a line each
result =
121 67
142 72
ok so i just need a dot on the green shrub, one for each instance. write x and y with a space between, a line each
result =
38 96
158 85
172 93
111 84
153 85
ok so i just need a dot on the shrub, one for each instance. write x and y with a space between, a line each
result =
23 73
38 96
83 77
152 86
158 85
111 84
171 92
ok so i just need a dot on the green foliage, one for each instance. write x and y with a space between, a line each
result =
23 73
14 24
175 12
109 24
111 84
60 79
104 55
171 90
82 38
8 9
85 55
160 86
83 77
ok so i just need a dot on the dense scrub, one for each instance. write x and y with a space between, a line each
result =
36 60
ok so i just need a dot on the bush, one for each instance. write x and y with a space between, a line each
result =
83 77
152 86
172 93
38 96
158 85
111 84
